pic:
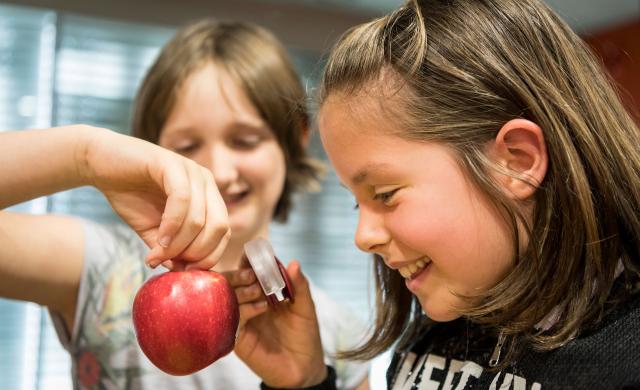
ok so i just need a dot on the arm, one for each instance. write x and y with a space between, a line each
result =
41 260
39 162
170 201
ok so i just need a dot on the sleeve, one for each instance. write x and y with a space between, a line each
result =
112 271
340 330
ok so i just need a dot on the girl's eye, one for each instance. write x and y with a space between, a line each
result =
385 197
356 206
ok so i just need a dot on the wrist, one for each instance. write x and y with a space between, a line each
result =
328 383
85 137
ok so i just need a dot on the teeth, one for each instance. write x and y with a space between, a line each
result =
405 272
408 270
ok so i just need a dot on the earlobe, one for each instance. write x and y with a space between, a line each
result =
520 148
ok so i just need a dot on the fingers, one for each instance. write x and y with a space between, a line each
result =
208 246
194 227
303 302
178 190
251 310
245 284
193 220
240 277
248 292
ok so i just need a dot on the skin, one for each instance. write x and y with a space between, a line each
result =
177 205
416 203
231 140
169 201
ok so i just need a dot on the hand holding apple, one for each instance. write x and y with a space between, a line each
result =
184 321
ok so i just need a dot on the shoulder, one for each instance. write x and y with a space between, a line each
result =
111 243
112 234
605 357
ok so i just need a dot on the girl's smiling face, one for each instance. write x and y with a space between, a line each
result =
214 123
418 210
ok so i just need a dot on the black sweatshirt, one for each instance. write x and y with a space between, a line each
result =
455 355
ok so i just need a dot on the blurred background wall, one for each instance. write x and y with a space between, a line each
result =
80 61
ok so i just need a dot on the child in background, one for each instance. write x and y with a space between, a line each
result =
497 178
226 96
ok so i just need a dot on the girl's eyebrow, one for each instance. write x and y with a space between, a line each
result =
362 174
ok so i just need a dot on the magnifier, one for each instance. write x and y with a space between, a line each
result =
270 272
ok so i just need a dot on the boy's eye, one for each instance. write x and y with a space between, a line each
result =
186 148
246 142
385 197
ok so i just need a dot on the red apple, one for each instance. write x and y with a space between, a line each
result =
184 321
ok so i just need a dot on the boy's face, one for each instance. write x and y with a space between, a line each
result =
417 208
215 124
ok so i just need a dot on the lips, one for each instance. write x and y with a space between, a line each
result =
231 199
411 270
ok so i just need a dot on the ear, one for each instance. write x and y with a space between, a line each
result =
520 148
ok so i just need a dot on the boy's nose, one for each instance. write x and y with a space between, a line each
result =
371 235
223 167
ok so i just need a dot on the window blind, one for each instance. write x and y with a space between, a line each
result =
27 46
99 65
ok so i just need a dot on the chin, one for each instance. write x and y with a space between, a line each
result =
440 314
243 232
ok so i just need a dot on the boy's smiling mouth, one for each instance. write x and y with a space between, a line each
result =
232 199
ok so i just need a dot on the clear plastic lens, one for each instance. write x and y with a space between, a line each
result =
264 264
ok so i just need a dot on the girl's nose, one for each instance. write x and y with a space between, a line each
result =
371 235
223 166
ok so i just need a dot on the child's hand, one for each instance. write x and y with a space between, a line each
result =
281 343
170 201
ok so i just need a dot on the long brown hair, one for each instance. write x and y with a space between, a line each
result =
466 68
259 63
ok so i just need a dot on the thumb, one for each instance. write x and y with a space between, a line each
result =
303 302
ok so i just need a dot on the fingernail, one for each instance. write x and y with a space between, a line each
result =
151 263
164 241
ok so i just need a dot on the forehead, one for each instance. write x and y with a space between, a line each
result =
360 140
211 82
211 99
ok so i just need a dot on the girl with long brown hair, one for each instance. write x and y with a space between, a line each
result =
497 177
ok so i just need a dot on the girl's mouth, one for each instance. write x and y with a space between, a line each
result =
417 278
412 270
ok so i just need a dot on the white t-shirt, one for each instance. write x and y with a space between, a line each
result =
103 348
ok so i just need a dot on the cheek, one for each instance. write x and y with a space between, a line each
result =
265 169
467 240
425 223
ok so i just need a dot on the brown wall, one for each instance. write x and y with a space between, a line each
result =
619 48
